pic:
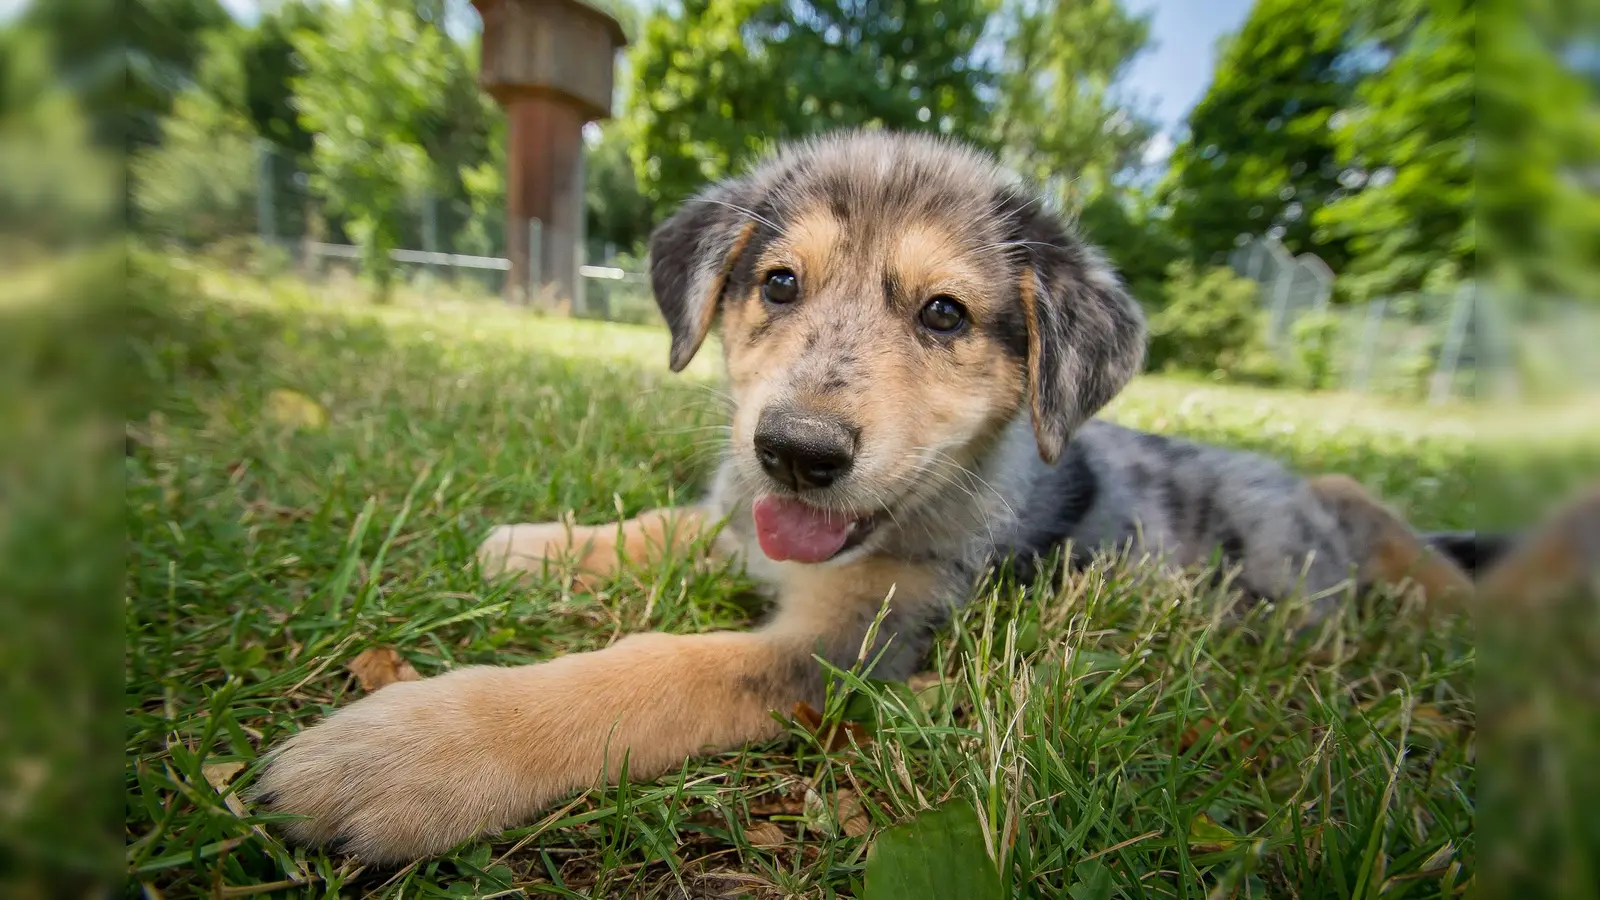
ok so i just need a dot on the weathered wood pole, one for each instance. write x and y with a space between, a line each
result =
549 63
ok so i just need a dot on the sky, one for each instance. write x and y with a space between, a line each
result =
1175 69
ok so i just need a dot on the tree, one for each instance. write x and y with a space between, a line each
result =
56 190
126 68
484 184
1406 146
1260 156
268 63
1212 324
617 211
1539 194
721 80
1132 231
199 136
384 93
1059 120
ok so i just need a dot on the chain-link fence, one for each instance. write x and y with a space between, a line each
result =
1291 286
1470 343
450 245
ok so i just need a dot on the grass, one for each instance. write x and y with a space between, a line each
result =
1116 736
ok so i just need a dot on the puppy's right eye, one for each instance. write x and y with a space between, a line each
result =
781 286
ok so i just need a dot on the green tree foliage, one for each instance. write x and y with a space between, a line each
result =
56 190
1059 118
1136 238
1406 145
618 213
719 80
1539 148
385 94
1315 340
199 136
1261 156
484 185
126 62
251 71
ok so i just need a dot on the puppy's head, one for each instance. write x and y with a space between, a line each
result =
888 304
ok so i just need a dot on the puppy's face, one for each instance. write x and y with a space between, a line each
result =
888 305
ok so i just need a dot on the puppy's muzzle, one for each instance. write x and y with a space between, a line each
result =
804 451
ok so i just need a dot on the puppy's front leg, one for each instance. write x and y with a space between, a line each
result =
420 766
593 550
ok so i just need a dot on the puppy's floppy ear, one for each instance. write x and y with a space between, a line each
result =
1086 335
691 255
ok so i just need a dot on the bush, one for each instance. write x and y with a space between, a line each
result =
1316 344
200 183
1212 324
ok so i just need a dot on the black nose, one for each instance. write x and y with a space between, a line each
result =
803 451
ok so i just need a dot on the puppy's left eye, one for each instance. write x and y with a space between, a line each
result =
943 315
780 287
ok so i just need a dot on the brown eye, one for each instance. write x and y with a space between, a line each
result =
780 286
943 315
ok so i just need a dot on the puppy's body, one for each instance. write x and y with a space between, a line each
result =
1114 490
915 351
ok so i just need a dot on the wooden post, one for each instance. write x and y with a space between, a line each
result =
550 65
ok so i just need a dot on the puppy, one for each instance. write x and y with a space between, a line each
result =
916 350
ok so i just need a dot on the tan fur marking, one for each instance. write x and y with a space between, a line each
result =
818 599
708 309
1557 558
810 238
1397 557
1030 313
928 260
1547 565
1388 552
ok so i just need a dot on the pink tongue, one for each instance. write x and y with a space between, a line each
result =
791 530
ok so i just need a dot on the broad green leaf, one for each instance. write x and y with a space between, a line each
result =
940 853
1094 881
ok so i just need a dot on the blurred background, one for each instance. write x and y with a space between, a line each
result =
1288 184
1391 200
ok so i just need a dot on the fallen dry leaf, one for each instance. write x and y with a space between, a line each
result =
219 776
853 819
857 826
293 409
807 715
380 667
838 736
765 834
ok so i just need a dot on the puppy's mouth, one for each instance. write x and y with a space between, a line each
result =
793 530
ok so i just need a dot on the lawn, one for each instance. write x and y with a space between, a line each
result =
308 477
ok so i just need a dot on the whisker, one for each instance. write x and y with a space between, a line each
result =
1006 245
740 209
